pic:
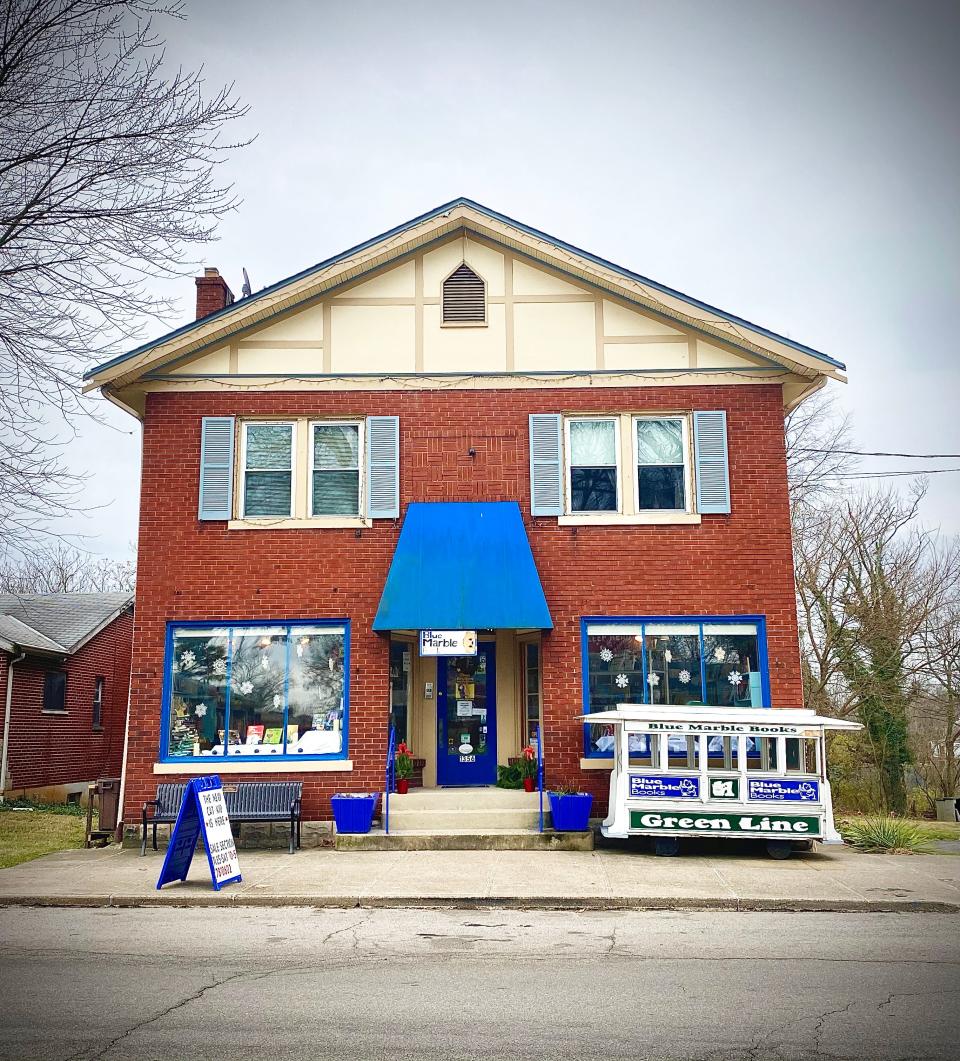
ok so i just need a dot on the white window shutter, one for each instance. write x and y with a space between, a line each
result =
383 467
546 464
712 461
216 467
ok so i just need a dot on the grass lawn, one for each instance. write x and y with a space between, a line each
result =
27 834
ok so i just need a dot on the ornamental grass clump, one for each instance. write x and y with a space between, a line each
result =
894 836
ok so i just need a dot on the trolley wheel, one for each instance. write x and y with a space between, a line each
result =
779 849
666 846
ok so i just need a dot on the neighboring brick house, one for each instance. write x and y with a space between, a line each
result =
463 424
65 676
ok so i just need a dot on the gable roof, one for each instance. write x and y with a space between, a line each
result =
460 212
56 623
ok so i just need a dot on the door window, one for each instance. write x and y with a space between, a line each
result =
466 690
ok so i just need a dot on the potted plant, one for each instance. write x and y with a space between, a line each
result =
353 811
570 810
528 768
403 763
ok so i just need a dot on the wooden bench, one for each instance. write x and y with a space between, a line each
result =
247 801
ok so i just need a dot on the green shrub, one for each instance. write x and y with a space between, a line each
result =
510 776
895 836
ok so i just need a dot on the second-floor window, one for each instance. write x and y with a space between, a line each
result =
273 470
607 474
335 469
267 458
98 684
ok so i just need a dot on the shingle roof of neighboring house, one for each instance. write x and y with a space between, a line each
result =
58 623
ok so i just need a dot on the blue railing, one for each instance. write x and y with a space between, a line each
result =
390 778
540 773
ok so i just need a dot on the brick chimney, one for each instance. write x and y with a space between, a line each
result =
212 293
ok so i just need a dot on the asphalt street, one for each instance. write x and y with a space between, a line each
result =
350 984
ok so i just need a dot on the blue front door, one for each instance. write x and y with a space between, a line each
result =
467 718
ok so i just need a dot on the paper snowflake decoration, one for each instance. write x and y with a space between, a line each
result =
622 681
265 663
299 650
734 677
200 710
219 666
653 680
684 677
719 654
668 655
187 659
606 655
278 700
246 688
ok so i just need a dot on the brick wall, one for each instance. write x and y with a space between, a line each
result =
53 749
737 564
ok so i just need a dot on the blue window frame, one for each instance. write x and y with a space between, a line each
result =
709 661
255 691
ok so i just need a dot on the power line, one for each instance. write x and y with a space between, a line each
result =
864 453
892 475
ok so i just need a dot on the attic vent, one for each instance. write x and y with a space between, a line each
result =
464 297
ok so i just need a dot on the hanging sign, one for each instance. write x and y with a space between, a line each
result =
448 642
790 790
643 786
203 812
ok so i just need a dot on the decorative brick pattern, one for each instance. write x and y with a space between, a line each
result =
189 570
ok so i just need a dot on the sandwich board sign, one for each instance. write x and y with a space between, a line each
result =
202 813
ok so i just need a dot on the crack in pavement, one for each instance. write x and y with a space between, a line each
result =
80 1054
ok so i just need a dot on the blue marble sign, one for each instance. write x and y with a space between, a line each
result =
789 790
658 786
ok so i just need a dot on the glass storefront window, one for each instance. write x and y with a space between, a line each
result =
531 691
683 662
256 691
401 655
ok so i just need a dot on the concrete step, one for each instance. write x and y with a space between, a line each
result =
463 840
473 820
468 798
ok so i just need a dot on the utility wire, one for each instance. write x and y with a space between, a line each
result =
891 475
864 453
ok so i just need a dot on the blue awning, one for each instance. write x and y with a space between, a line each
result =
463 566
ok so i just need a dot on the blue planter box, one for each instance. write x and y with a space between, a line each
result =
570 814
353 814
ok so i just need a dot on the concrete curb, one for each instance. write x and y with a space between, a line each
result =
592 903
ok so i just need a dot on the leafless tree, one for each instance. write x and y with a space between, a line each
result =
59 568
107 178
819 440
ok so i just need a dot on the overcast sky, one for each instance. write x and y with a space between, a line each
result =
794 163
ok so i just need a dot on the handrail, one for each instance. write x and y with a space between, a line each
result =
390 778
540 772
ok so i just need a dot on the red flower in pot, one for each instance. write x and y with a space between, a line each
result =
528 768
403 766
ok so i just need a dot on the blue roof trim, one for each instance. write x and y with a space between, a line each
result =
497 216
463 565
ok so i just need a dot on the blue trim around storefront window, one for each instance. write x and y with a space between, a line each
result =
632 620
285 624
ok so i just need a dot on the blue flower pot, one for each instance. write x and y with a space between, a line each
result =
353 813
570 814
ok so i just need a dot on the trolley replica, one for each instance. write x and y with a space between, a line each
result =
700 771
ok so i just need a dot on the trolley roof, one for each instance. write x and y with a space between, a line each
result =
719 719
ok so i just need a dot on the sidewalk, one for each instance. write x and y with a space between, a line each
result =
607 878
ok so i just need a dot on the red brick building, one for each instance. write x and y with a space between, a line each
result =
65 676
461 425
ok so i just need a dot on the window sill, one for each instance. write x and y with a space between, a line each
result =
47 711
596 764
617 519
283 766
294 523
463 324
